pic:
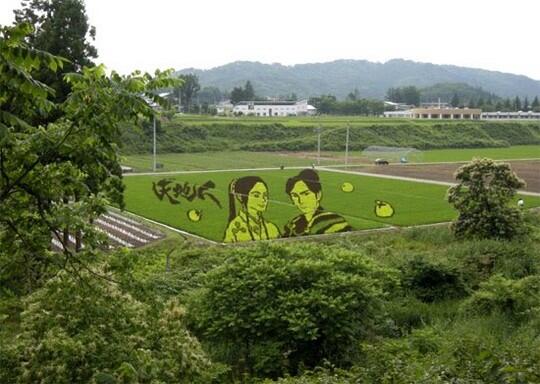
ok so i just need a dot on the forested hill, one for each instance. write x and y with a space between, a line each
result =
371 79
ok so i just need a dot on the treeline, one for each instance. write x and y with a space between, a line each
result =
328 104
460 96
193 99
180 137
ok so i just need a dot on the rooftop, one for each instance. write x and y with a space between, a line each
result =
267 102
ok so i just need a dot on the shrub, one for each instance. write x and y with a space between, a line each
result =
75 331
429 281
482 199
516 298
305 302
327 375
480 259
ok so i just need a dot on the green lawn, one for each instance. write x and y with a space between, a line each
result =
217 160
450 155
291 121
414 203
302 121
243 159
515 152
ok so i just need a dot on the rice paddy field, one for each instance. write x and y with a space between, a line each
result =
245 159
206 213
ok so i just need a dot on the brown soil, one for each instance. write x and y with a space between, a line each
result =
528 170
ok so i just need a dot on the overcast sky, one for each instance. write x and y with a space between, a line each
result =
498 35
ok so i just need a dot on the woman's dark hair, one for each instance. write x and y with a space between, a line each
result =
309 177
239 189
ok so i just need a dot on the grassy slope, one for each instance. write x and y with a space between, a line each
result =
189 134
414 203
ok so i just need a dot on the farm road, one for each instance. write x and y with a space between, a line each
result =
432 173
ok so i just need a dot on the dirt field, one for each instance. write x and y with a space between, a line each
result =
528 170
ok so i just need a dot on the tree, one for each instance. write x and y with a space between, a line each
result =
210 95
237 95
324 103
394 95
188 90
411 95
60 28
243 94
526 104
480 103
82 330
482 198
63 174
536 104
408 95
281 308
249 92
455 101
517 104
354 95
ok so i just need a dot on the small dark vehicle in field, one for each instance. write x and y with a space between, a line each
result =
381 162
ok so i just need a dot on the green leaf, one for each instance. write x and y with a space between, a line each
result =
3 131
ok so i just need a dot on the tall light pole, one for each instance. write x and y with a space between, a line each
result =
179 101
347 145
318 130
154 151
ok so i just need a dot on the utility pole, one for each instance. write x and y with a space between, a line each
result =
154 152
179 100
347 145
318 130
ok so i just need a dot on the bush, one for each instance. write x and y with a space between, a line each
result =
430 281
516 298
283 307
480 259
75 331
483 198
326 375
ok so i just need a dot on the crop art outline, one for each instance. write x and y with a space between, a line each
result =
250 215
189 192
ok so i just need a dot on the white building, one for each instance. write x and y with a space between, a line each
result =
399 114
224 108
274 108
511 115
437 113
397 106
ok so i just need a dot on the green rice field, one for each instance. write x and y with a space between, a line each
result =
243 159
413 203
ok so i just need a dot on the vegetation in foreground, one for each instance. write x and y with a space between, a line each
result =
415 306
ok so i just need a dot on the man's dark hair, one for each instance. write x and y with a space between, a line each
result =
309 177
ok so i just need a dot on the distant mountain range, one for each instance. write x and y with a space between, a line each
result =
371 79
